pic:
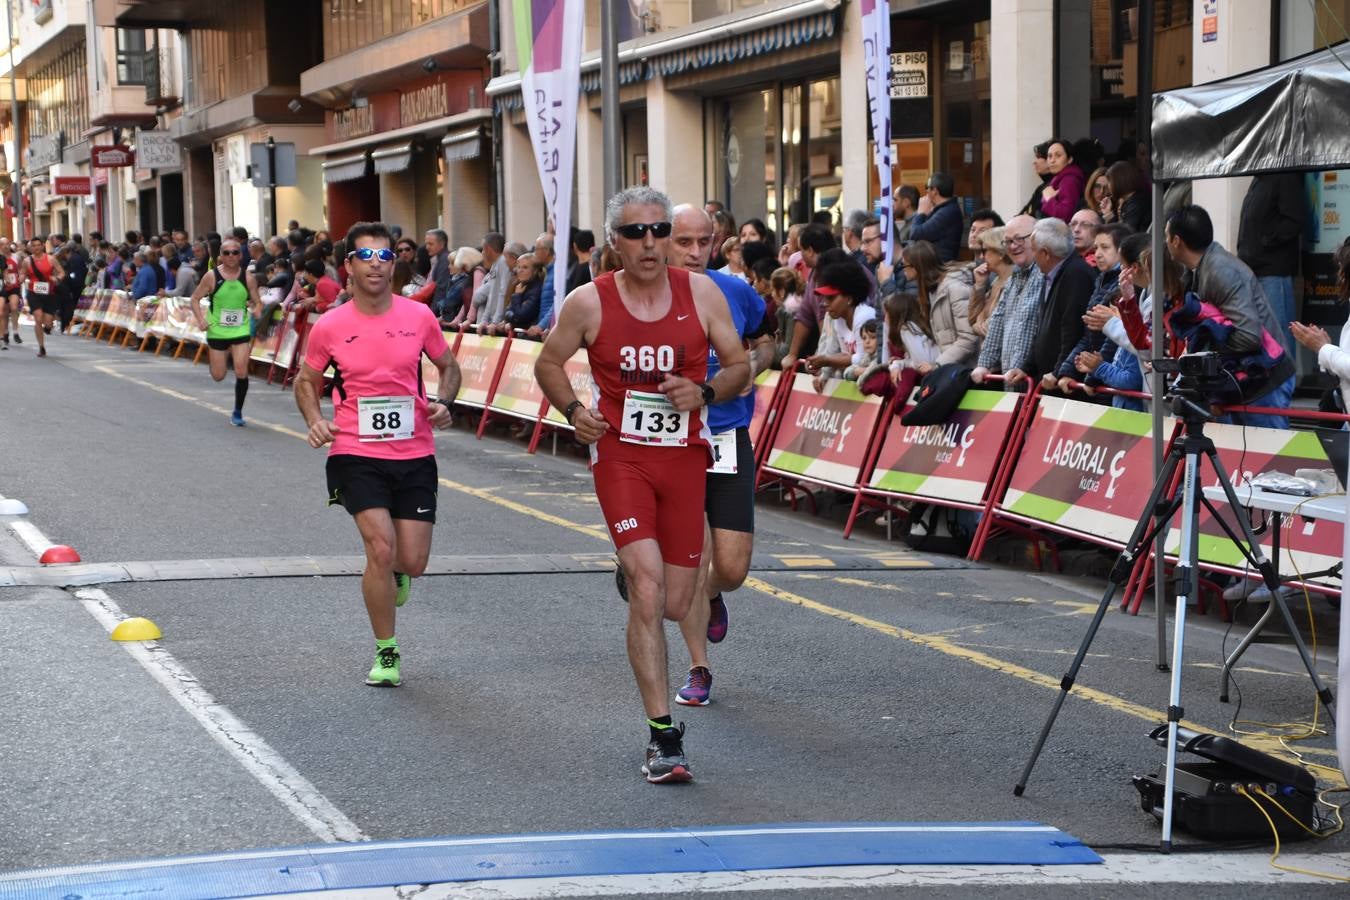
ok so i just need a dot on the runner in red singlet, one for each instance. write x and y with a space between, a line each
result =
44 273
647 330
11 298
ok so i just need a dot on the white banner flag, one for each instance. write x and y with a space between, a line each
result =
876 30
548 36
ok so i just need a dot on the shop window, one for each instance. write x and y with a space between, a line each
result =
131 56
749 151
824 149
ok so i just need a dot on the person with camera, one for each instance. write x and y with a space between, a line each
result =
1221 279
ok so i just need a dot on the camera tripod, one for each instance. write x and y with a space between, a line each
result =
1157 514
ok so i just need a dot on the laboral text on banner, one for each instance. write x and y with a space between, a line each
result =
952 463
824 437
548 38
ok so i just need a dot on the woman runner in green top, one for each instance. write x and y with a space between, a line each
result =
232 295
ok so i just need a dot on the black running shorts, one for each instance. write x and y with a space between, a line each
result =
405 487
730 499
46 303
227 343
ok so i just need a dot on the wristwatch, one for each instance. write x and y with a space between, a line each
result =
708 393
572 410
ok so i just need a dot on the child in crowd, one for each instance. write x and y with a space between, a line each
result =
870 353
1107 288
787 287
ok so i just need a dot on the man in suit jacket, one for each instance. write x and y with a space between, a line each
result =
1066 287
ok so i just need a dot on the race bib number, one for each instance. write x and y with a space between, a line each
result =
384 418
42 287
724 453
231 318
11 279
650 419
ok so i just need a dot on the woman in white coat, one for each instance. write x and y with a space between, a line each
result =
1336 360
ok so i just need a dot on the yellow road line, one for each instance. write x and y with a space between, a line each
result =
929 641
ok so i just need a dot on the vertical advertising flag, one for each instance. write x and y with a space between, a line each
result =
548 38
876 31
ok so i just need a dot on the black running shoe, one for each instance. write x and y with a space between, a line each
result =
17 338
620 581
665 758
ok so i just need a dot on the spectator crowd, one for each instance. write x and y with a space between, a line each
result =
1059 293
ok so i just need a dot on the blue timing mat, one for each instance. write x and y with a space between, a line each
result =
436 860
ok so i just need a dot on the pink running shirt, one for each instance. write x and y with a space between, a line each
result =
377 356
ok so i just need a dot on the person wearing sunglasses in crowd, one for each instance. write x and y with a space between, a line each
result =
382 463
647 329
232 296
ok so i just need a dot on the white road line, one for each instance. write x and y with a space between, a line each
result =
32 538
1145 869
281 779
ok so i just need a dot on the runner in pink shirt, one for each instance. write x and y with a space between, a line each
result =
382 465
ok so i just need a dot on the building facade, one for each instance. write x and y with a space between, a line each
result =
410 110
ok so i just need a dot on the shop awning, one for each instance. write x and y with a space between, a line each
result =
712 42
345 168
462 145
742 46
432 128
394 158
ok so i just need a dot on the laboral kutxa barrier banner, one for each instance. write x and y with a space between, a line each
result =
578 371
824 437
951 464
517 393
1306 545
766 391
1084 468
479 358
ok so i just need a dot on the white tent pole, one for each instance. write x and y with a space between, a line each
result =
1158 291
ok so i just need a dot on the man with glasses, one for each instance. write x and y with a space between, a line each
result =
382 465
872 246
232 295
1012 328
647 329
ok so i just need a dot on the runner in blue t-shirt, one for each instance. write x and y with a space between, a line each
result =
730 498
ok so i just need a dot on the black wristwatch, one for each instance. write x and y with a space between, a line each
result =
572 410
446 403
708 393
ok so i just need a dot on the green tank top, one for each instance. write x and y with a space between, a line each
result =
227 317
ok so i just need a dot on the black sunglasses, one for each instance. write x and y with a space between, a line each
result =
636 231
231 253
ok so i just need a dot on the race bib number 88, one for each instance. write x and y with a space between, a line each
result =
650 419
385 418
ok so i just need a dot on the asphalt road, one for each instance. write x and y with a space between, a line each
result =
908 693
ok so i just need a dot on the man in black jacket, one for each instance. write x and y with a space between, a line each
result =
1273 215
939 220
1066 287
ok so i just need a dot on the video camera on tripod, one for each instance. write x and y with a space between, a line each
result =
1200 382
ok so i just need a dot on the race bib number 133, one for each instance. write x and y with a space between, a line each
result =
650 419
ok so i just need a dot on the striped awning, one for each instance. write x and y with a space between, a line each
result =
346 168
743 46
462 145
394 158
